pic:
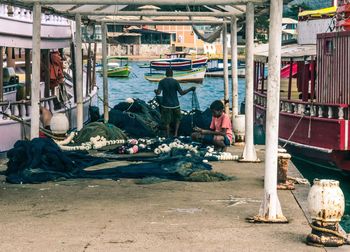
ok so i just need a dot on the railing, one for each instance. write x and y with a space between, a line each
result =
22 108
11 88
313 109
27 15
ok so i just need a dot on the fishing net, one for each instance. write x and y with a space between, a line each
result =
137 119
41 160
194 118
108 131
195 102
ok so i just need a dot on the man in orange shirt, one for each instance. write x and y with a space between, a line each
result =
220 133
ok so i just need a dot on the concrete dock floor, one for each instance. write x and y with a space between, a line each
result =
108 215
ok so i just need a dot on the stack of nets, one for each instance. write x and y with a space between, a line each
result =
108 131
137 119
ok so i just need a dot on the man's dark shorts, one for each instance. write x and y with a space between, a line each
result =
209 139
170 115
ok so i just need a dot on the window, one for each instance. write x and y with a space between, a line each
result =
329 47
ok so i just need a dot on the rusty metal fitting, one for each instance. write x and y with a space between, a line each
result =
325 234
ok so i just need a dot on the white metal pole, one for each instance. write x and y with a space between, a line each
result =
270 208
234 68
104 67
79 71
35 90
224 48
249 153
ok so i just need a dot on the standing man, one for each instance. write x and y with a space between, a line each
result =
170 106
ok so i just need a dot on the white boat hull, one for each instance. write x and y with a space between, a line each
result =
12 131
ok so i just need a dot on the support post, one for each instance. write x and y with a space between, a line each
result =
290 78
270 209
224 48
94 69
88 71
262 74
79 71
28 70
45 65
234 66
249 153
312 70
10 59
1 74
35 86
104 67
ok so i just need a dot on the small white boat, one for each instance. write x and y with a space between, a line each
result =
194 75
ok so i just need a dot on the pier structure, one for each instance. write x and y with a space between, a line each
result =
249 153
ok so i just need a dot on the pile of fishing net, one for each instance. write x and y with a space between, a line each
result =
136 118
194 118
179 168
108 131
42 160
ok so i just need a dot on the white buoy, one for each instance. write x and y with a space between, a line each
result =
59 123
238 127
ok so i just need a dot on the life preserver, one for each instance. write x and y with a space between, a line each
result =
56 70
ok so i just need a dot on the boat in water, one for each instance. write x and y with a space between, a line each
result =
57 82
178 62
215 68
194 75
118 66
315 92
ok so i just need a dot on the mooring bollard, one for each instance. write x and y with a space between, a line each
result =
282 170
326 207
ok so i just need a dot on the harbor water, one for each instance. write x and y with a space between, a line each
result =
136 86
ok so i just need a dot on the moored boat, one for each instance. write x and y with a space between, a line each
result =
194 75
117 67
314 111
56 86
178 62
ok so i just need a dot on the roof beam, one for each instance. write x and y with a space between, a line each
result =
151 22
141 2
154 14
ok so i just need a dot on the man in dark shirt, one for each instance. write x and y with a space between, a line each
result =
170 106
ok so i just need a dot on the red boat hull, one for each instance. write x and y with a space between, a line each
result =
320 141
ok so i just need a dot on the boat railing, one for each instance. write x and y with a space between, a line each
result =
313 109
22 108
22 14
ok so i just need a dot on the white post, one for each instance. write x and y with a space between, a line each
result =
105 77
224 49
35 90
79 71
234 67
270 209
249 153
